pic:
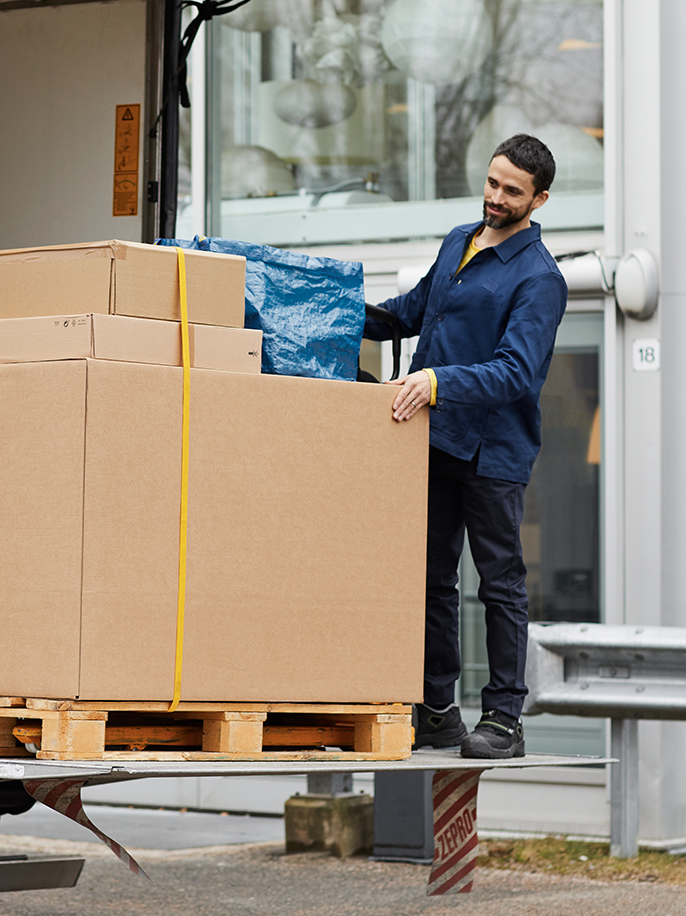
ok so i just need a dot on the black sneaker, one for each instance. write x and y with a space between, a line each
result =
438 729
496 735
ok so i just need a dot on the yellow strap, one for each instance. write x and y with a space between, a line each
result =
434 386
183 528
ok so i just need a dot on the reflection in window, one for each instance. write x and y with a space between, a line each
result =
561 526
397 100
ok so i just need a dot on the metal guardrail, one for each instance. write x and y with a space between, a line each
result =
624 673
610 671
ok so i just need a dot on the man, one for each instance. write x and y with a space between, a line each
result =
486 314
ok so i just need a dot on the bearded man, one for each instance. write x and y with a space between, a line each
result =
486 314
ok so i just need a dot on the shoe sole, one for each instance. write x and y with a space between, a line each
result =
448 739
482 750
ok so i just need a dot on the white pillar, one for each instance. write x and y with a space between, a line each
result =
646 136
612 467
671 744
641 216
637 224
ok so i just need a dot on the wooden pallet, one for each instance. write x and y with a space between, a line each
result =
90 730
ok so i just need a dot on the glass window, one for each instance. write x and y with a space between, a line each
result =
318 108
560 526
560 529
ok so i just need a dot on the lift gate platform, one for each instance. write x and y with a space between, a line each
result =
58 784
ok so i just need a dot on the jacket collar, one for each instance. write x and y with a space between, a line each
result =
510 247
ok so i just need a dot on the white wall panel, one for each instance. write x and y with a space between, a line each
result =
64 70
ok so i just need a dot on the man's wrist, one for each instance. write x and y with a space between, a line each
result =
434 385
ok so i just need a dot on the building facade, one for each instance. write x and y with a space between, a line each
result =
362 129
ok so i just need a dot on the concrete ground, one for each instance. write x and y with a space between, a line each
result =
214 865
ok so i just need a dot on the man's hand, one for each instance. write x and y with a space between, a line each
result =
415 392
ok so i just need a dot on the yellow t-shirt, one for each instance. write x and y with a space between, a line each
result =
469 253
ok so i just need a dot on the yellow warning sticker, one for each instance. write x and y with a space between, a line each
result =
126 149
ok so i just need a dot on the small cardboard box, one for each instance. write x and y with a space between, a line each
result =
306 536
135 340
121 278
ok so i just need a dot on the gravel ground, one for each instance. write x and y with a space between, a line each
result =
259 880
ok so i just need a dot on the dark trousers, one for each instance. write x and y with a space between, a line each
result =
491 511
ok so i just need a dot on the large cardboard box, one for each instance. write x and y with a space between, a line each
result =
136 340
306 536
121 278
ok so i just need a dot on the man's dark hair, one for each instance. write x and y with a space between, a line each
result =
530 154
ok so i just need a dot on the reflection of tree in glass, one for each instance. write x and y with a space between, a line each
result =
546 63
543 74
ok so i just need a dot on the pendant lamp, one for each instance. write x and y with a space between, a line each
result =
437 41
252 171
307 103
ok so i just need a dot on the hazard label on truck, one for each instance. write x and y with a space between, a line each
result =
126 148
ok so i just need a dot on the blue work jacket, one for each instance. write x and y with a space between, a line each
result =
488 333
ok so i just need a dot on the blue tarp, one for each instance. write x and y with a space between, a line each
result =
310 310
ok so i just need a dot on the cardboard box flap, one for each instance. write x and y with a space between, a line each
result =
90 250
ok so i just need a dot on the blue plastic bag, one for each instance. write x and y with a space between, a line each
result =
310 310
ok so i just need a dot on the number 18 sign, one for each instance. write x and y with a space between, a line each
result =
646 355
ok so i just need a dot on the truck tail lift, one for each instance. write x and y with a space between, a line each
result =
455 787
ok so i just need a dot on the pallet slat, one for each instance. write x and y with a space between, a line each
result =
199 706
200 756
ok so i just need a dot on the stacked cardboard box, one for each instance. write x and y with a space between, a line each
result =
306 527
121 278
131 340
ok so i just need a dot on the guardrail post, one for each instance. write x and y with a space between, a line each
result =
624 789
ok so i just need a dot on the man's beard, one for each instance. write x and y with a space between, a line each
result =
507 218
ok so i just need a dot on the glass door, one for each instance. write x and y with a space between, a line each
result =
560 530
